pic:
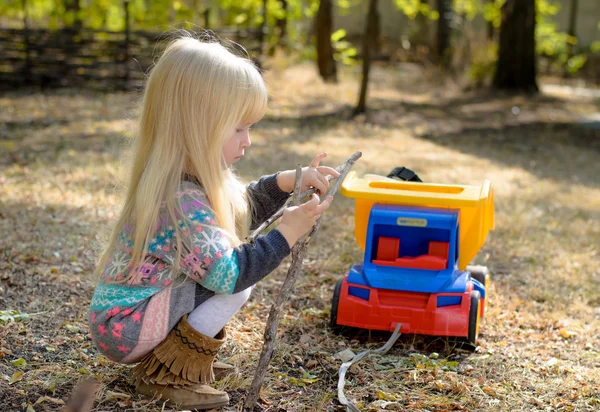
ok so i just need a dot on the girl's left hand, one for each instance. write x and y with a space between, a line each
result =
312 176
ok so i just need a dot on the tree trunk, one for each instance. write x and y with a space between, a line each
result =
281 25
126 45
572 23
207 18
196 5
421 36
516 67
443 33
27 71
490 27
324 26
369 37
375 35
263 25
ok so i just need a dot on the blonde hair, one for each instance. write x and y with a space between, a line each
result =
195 96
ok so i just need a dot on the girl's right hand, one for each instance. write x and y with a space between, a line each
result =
298 220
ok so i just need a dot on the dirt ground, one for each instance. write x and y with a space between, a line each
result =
60 159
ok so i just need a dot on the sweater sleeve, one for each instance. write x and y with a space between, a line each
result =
247 264
266 198
207 255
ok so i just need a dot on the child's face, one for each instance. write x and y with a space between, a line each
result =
236 143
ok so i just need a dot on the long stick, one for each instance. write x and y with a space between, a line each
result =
298 252
304 196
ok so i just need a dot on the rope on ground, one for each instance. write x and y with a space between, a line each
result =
350 407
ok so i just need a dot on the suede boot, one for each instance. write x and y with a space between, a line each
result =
180 369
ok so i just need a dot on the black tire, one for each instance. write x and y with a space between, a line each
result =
334 307
482 275
479 273
474 318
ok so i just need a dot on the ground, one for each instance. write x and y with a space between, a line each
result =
60 163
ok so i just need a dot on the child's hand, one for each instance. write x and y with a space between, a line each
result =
312 176
298 220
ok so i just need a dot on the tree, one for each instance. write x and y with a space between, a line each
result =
443 33
572 31
281 24
324 27
490 26
516 66
263 25
369 38
421 36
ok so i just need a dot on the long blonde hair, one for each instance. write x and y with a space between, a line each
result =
195 96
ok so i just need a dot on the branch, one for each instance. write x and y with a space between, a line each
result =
304 196
298 252
295 194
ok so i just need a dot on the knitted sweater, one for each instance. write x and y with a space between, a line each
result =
127 320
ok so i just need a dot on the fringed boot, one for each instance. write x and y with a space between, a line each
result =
180 369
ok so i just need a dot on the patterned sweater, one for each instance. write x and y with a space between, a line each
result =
127 320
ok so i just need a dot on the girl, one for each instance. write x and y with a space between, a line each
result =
175 270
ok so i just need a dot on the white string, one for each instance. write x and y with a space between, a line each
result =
350 407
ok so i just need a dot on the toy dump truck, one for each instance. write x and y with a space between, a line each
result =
418 239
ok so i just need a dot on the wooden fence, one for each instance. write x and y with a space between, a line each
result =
104 60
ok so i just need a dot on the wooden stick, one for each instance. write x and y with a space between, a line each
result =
296 192
304 196
298 252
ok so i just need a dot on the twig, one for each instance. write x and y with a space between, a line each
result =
304 196
298 252
295 194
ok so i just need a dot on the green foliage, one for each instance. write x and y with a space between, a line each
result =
412 8
19 363
432 361
595 46
468 8
491 12
311 9
552 43
343 52
483 64
159 15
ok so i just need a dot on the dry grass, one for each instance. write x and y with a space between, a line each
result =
60 153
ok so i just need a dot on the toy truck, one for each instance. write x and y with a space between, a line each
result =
418 239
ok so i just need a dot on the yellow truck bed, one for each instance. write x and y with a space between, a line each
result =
474 203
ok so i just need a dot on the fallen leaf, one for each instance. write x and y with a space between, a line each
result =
566 333
15 377
387 396
345 355
312 363
305 338
19 362
72 328
116 395
480 358
49 399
